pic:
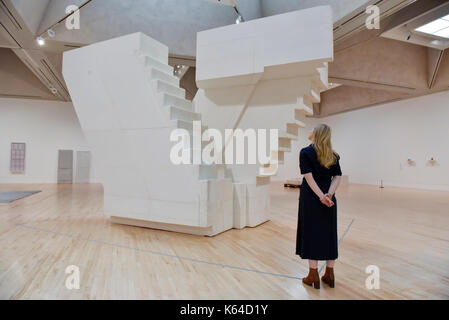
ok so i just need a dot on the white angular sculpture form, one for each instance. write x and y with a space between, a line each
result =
262 74
265 73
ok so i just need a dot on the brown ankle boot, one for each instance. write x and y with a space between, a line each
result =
312 279
328 277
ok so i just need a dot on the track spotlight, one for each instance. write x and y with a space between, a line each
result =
240 17
51 33
53 90
40 41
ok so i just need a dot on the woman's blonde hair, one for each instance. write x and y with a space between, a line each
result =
323 146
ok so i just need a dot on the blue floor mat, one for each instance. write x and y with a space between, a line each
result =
10 196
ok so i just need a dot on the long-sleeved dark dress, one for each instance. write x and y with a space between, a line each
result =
317 223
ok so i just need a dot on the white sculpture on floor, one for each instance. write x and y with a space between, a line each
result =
261 74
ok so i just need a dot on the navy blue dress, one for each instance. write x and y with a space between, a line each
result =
317 224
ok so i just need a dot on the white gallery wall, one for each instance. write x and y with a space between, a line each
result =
45 127
375 143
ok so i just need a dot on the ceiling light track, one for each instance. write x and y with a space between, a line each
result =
50 31
9 14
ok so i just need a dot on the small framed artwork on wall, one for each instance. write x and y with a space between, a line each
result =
17 165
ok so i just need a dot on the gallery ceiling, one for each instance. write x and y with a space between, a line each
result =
359 53
374 69
174 23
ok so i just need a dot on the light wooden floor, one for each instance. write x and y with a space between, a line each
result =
404 232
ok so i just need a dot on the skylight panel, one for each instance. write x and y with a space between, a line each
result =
434 26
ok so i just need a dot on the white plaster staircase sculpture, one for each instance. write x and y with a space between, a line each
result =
128 103
262 74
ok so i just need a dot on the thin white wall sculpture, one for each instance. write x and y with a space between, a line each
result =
128 103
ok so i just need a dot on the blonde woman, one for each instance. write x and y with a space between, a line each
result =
317 221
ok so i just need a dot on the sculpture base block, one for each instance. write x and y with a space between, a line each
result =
207 231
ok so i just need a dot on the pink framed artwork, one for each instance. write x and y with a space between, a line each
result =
17 157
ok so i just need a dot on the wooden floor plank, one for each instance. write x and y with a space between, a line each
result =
404 232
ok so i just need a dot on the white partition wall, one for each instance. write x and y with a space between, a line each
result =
265 73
